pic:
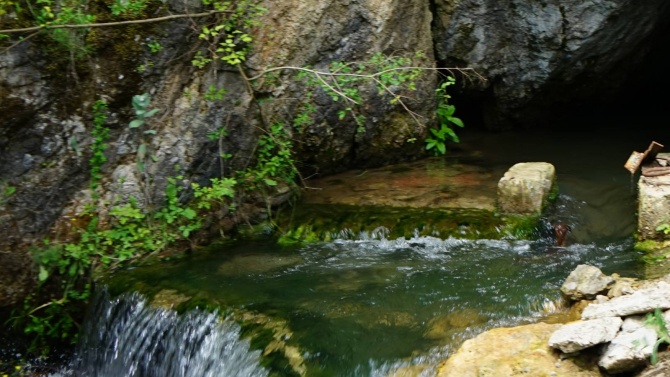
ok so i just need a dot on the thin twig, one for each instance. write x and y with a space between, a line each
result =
106 24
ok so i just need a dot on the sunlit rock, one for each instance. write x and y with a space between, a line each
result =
642 301
585 282
511 352
526 188
630 348
653 206
579 335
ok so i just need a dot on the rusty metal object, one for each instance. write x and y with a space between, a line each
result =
637 158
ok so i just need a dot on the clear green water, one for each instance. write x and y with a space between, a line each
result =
368 306
362 307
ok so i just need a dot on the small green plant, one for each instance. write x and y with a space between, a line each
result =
141 104
657 322
665 228
274 158
214 94
445 115
154 46
5 192
128 7
100 135
229 39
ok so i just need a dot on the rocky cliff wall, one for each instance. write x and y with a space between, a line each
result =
532 53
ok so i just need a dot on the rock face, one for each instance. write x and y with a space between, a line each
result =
528 51
526 187
585 282
46 119
531 52
653 206
511 352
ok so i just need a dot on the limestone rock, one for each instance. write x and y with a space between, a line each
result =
577 336
653 205
630 348
525 188
511 352
642 301
585 282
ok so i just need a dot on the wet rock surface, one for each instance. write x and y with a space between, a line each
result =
526 187
585 282
429 183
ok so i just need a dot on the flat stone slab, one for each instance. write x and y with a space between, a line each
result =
642 301
580 335
525 188
428 183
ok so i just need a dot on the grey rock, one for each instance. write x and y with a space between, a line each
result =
525 188
642 301
585 282
529 50
579 335
631 347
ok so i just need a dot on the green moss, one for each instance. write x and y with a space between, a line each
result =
553 194
648 246
311 223
521 227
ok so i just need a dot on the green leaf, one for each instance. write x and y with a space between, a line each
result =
44 274
136 123
189 213
270 182
150 113
456 121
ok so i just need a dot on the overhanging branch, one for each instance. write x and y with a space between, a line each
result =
107 24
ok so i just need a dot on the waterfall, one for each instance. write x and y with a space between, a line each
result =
126 337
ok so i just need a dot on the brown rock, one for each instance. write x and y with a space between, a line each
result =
516 351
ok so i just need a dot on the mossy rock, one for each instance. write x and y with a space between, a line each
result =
324 222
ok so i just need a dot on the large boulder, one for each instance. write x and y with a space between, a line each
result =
526 188
653 206
511 352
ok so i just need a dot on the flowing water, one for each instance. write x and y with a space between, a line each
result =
367 305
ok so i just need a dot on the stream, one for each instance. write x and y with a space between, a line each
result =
367 304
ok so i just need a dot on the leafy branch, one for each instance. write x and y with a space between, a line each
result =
108 24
